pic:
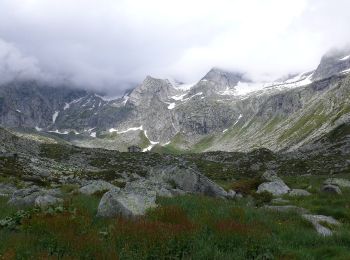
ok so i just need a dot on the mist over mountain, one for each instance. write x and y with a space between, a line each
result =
113 46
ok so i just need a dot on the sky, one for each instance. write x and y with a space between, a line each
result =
111 45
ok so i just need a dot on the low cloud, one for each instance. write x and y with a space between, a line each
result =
112 45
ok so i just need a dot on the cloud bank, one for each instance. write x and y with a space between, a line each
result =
112 45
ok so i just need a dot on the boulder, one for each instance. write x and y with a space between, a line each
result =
276 188
188 180
299 193
126 203
329 188
6 189
231 194
45 201
25 197
317 221
270 176
96 186
344 183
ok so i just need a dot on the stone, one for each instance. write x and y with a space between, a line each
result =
45 201
329 188
25 197
128 204
299 193
96 186
188 180
317 221
6 189
270 176
343 183
231 194
276 188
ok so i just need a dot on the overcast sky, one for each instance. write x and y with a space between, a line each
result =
110 44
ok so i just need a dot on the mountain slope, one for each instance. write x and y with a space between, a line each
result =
223 111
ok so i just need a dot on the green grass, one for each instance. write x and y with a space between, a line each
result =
184 227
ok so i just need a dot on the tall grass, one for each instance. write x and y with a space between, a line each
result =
185 227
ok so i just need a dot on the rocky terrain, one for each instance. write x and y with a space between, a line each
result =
224 111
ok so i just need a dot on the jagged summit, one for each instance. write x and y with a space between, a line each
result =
223 77
333 62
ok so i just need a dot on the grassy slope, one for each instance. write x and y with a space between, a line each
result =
191 227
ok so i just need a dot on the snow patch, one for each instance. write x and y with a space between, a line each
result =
225 131
179 97
66 106
37 128
125 131
345 71
345 58
60 133
149 148
171 106
125 100
19 111
239 117
54 116
93 134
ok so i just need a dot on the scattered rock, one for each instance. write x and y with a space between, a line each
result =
46 200
28 196
338 182
96 186
276 188
124 203
287 208
329 188
317 220
299 193
25 197
6 189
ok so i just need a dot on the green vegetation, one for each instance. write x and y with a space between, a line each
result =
56 151
203 144
185 227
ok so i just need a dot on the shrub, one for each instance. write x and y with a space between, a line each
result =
246 186
262 197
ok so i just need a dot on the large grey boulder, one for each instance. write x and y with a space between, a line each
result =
96 186
28 196
344 183
25 197
270 176
299 193
45 201
188 180
332 189
317 221
125 203
6 189
276 188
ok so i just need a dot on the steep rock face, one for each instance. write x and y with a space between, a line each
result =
33 104
217 113
334 62
217 80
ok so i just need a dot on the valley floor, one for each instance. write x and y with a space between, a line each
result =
183 227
